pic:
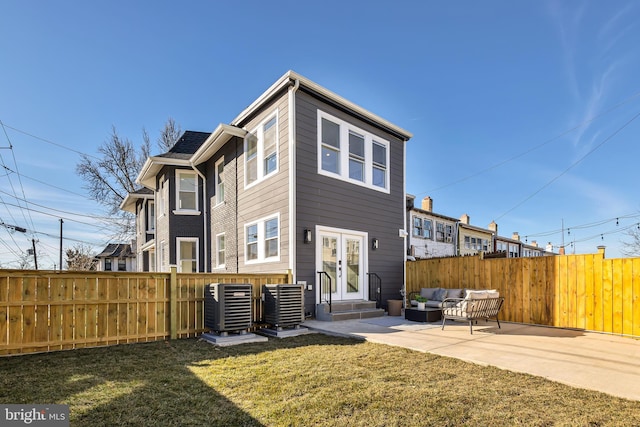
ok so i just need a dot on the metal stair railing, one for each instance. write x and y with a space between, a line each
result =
375 289
325 288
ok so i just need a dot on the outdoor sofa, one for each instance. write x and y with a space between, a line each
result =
435 296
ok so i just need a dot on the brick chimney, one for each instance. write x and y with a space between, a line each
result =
427 204
561 251
515 236
493 227
534 243
465 219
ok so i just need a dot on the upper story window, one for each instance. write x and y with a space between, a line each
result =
107 264
122 264
349 153
186 191
219 189
151 217
422 227
261 151
263 240
163 198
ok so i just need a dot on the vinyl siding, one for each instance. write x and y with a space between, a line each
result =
331 202
269 196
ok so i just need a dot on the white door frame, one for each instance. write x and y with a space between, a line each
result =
341 235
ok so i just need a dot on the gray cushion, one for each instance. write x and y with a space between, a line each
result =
455 293
440 294
428 293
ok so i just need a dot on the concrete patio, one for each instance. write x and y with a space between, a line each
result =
589 360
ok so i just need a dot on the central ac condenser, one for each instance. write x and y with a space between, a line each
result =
228 307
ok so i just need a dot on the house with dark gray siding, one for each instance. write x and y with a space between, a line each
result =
302 180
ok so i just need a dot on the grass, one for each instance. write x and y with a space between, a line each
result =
304 381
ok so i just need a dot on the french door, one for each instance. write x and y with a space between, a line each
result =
342 256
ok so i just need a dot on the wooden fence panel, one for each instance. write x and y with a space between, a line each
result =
572 291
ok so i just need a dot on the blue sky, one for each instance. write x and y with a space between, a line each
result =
522 112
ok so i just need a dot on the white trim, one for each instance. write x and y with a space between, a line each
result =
290 76
343 166
291 94
179 210
258 133
179 255
216 177
261 239
217 252
341 232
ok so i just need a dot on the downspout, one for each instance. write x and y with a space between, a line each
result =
204 214
293 254
405 214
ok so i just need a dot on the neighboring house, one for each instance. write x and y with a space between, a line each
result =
472 239
302 180
116 257
431 235
142 204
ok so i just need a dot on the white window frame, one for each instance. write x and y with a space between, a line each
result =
219 182
151 217
179 210
262 240
163 199
344 156
152 259
260 159
162 256
220 260
179 254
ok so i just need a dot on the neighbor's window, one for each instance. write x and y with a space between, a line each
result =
439 231
122 264
262 240
151 217
220 251
351 154
427 228
219 187
187 254
187 191
417 226
261 151
107 264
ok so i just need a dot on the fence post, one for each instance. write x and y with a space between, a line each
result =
173 302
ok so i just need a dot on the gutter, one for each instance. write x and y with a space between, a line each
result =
293 254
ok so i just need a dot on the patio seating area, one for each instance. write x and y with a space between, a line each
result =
589 360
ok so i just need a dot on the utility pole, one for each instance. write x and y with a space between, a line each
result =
61 221
35 256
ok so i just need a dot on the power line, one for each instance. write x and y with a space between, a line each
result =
517 156
574 164
50 142
45 183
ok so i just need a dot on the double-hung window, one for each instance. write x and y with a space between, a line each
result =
187 254
187 191
439 232
422 227
151 217
261 151
219 187
220 251
417 226
352 154
262 240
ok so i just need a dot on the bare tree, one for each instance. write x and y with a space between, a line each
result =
111 175
169 135
79 258
632 247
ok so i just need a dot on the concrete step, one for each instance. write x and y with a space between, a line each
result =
348 311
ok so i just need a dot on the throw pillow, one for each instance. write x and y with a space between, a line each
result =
440 294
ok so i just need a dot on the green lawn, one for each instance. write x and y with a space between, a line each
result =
306 381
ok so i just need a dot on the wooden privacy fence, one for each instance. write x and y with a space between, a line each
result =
49 310
570 291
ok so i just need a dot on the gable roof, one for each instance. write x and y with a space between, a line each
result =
129 202
116 250
178 155
188 144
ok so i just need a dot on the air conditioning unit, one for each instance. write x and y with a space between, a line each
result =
228 307
283 304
